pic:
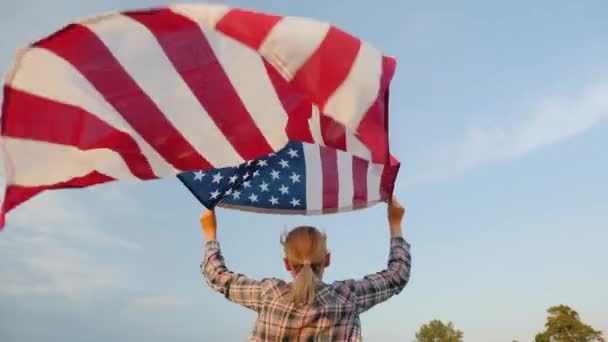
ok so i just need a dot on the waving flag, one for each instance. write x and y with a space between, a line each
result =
300 179
150 94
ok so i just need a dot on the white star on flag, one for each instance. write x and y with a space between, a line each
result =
274 174
236 195
215 194
284 190
295 202
295 178
256 173
217 178
229 192
253 198
292 153
198 175
274 200
233 179
262 162
247 184
284 163
264 186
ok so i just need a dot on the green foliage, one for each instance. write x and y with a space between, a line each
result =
437 331
564 325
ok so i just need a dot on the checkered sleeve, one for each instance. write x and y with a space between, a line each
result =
235 287
376 288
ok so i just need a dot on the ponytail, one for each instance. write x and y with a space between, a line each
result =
303 286
306 254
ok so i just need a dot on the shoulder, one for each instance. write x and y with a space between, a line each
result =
348 283
272 284
344 287
338 293
272 281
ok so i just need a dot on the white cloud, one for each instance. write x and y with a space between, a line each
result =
63 215
155 303
38 265
551 120
54 246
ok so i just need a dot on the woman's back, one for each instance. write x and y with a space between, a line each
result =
331 317
323 312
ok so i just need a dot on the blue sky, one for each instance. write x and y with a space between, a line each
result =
499 112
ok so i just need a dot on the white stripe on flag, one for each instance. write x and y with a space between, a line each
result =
143 58
356 147
374 177
345 180
314 176
287 54
30 160
207 15
44 74
246 71
362 80
314 123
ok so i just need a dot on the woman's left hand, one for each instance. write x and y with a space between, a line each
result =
209 225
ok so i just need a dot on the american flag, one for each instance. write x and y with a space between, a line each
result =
300 179
154 93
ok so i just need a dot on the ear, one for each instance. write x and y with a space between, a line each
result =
287 265
327 260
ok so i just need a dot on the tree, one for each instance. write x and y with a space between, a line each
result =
564 325
437 331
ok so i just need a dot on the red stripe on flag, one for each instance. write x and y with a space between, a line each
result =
297 107
333 132
331 186
247 27
16 194
31 117
360 167
191 54
389 176
328 66
373 128
86 52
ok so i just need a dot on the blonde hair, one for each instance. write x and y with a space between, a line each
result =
306 252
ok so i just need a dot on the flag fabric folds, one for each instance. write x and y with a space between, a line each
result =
155 93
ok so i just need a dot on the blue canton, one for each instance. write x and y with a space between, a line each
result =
275 182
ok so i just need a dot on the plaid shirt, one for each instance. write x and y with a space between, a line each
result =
334 315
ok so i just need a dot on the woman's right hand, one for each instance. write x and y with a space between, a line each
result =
396 212
209 225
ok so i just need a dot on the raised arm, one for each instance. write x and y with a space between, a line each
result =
235 287
378 287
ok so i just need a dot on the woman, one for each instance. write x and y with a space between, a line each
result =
307 309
